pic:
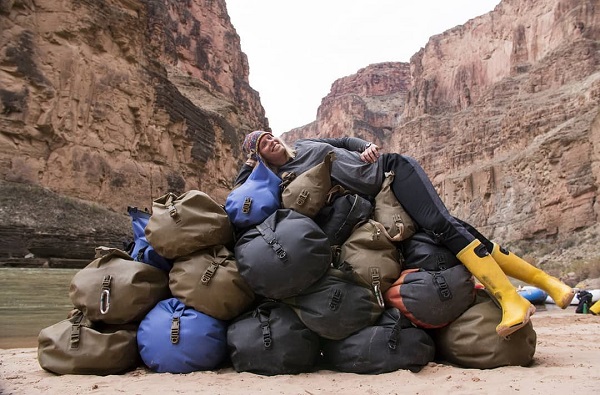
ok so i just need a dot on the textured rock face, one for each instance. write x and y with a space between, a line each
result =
503 114
120 101
367 104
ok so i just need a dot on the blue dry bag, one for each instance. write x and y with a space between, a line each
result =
257 198
140 250
174 338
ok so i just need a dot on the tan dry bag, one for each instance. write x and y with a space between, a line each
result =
308 192
372 256
209 281
79 346
115 289
471 340
180 225
390 213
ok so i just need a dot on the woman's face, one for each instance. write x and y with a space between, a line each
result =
271 150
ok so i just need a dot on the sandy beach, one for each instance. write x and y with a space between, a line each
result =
567 359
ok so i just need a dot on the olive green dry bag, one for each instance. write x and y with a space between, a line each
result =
471 340
115 289
208 281
80 346
180 225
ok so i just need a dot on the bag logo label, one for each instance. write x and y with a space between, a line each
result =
247 205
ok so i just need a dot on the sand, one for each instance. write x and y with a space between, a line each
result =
567 360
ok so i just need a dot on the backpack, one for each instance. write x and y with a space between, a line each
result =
373 257
307 193
336 306
115 289
79 346
390 213
283 255
175 338
180 225
471 340
272 340
208 281
341 214
257 198
432 299
140 250
392 343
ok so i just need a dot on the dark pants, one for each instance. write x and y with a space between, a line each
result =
416 194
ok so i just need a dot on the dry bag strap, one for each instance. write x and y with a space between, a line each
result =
265 326
271 239
376 284
176 323
400 324
105 294
75 331
286 179
170 204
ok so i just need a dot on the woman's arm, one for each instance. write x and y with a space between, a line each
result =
349 143
368 152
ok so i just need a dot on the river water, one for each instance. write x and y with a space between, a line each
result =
30 300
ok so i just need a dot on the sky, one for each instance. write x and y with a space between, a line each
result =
297 49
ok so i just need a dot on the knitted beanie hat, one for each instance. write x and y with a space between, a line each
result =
250 145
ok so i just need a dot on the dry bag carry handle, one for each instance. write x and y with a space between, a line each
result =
170 204
271 239
107 253
176 323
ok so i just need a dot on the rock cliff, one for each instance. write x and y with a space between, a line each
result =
502 112
117 102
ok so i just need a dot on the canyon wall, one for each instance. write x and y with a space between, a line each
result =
118 102
121 101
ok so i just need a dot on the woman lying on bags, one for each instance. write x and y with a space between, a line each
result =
360 167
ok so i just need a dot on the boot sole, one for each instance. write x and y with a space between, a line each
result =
566 300
505 332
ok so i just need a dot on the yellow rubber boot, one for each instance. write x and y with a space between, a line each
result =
517 268
595 309
516 310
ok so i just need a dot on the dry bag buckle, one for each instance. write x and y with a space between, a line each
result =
266 332
247 205
175 330
442 286
209 273
376 283
302 197
336 299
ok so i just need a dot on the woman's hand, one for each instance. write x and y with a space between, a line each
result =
370 154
